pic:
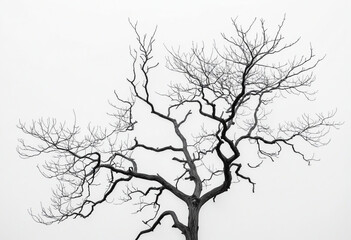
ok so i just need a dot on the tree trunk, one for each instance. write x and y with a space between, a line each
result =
193 221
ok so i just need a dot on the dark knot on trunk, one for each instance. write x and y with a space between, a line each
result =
194 201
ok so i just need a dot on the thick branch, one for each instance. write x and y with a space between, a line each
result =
177 223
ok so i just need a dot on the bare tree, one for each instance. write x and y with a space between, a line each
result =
231 89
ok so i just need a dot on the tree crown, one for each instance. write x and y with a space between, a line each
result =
229 90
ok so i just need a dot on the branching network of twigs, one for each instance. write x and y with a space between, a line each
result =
230 87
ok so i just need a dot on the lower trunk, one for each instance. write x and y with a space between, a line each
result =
193 223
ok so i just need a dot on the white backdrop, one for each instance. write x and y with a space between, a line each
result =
60 56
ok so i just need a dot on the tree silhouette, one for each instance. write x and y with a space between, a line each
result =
229 89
